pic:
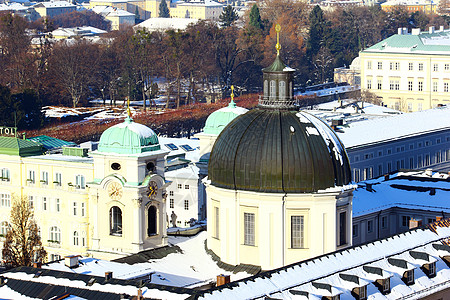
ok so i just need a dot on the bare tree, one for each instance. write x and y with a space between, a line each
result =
22 245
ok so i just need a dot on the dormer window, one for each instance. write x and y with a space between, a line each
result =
429 269
408 277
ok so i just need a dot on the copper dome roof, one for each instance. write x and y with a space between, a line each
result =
278 150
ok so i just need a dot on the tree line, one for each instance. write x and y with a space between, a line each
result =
203 60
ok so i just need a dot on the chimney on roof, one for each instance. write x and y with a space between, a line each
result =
400 31
415 31
71 261
2 280
386 177
431 29
429 172
404 30
108 275
37 264
441 28
414 223
139 295
222 279
439 218
432 191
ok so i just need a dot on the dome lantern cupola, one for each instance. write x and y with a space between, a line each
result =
278 82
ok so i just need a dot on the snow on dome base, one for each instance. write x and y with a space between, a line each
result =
128 138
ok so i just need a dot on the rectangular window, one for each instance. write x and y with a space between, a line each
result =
405 221
216 227
31 201
410 106
74 206
44 178
389 167
383 222
380 65
363 292
410 85
180 186
5 175
420 66
369 84
419 106
249 229
83 209
58 179
186 186
6 200
58 205
435 86
446 67
410 276
355 230
31 177
80 183
419 161
297 232
380 170
171 193
411 162
342 228
410 66
420 86
44 203
356 175
379 84
427 160
369 65
171 203
431 220
370 226
186 204
432 269
435 67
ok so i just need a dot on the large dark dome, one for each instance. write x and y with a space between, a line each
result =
278 150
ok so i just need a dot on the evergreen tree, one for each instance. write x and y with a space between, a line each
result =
317 31
228 16
22 245
29 113
164 10
255 18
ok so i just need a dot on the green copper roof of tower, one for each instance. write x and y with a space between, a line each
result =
278 66
20 147
219 119
128 138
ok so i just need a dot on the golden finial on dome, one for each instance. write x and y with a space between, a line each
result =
128 107
278 46
232 94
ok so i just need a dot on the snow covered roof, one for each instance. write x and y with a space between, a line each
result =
416 42
405 189
12 7
53 4
367 132
340 272
110 11
207 3
163 24
77 31
174 145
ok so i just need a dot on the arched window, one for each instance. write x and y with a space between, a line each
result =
75 238
282 89
4 227
55 234
290 89
152 221
273 89
266 88
115 221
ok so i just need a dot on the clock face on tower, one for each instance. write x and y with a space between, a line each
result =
152 189
115 190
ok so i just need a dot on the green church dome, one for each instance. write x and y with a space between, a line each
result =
219 119
128 138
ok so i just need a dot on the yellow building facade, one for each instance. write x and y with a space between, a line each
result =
409 71
107 203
